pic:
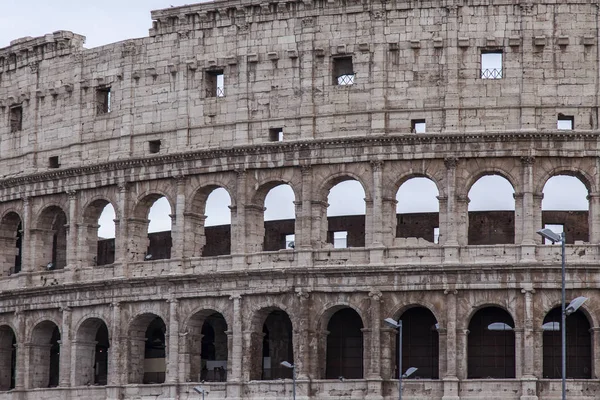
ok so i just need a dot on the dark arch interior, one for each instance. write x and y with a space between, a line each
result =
8 358
214 352
101 356
344 345
491 348
154 354
420 343
277 346
579 346
54 358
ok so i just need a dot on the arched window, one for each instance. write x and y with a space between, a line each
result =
45 350
277 346
344 345
346 214
491 211
565 207
98 230
418 210
8 358
51 239
11 244
217 226
420 343
147 350
207 343
159 230
91 348
280 218
579 346
491 348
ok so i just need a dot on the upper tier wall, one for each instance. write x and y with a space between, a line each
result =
412 61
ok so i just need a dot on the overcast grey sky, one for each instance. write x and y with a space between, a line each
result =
109 21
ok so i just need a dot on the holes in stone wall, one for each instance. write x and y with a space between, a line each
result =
154 146
418 126
53 162
565 122
276 135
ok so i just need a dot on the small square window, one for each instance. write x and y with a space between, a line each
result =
417 126
276 134
103 98
215 83
565 122
154 146
491 64
53 162
343 71
556 228
340 240
16 118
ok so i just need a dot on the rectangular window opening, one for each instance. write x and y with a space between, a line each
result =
491 64
436 235
154 146
276 134
103 98
16 118
290 241
215 83
565 122
417 126
556 228
343 71
53 162
340 240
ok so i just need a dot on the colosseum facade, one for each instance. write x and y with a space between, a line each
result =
247 96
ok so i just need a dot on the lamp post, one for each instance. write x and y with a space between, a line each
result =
200 390
573 306
398 325
293 368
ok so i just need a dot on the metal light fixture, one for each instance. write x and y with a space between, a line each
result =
573 306
293 368
200 390
398 325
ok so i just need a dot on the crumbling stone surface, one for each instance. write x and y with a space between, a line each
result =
202 103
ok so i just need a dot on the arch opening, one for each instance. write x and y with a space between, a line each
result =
420 344
11 244
208 344
51 239
150 230
8 358
279 218
45 350
98 233
491 211
275 345
346 214
417 210
565 208
491 345
579 346
344 354
91 347
217 226
147 350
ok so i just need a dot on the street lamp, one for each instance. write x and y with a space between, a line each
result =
200 390
398 325
293 368
573 306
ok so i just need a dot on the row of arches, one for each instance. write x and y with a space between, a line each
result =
491 348
491 220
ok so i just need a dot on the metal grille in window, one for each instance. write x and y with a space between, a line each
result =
215 84
343 71
103 101
491 73
16 118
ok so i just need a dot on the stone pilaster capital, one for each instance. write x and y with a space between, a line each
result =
450 162
173 300
376 165
306 169
235 297
463 199
179 178
302 294
115 304
518 195
527 161
72 193
594 195
528 290
375 295
25 198
122 186
65 309
526 8
240 171
451 291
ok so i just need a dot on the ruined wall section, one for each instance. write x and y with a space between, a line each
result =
278 61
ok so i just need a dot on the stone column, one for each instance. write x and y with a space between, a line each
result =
595 332
388 336
121 226
537 215
22 366
238 237
527 213
255 227
443 220
390 221
518 352
65 348
303 220
320 224
452 95
450 377
462 338
594 218
301 339
82 362
72 233
376 226
374 381
178 221
236 350
28 245
115 356
528 379
173 344
195 240
451 228
528 67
